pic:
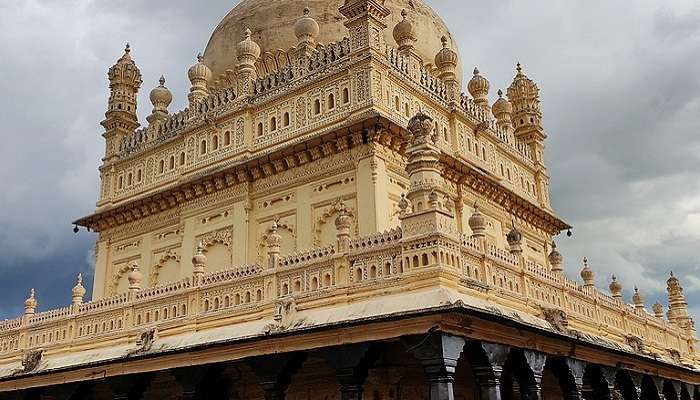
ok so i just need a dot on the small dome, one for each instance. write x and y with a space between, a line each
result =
306 29
522 89
555 258
479 86
247 50
446 58
501 106
405 32
658 309
343 221
587 273
79 290
637 298
477 222
514 236
199 257
31 300
615 287
199 71
160 96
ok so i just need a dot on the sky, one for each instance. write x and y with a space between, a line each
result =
620 91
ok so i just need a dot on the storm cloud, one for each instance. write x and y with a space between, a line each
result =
620 95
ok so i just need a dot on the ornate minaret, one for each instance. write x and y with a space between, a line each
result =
120 118
524 96
677 306
247 52
199 75
446 61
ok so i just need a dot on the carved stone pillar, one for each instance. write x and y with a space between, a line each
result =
576 368
535 360
608 375
438 352
637 383
275 372
351 363
488 374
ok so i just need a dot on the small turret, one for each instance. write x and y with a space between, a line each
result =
502 110
515 240
135 277
306 30
30 304
555 259
524 95
405 34
160 98
274 242
199 263
587 275
637 299
247 52
477 223
78 291
199 75
658 309
479 89
615 288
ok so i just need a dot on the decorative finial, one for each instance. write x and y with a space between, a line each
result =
585 261
404 14
161 80
307 11
79 280
249 33
443 39
500 93
127 48
476 71
519 68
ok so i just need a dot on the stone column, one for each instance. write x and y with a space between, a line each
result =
637 383
488 376
438 352
351 363
275 372
535 360
608 375
576 368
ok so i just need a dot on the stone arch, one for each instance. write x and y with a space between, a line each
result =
567 372
165 259
218 246
522 373
120 271
329 214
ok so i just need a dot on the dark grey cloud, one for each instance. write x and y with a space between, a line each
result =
620 91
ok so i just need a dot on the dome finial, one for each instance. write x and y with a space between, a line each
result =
587 274
519 68
404 14
127 48
200 57
162 80
306 29
479 88
405 33
307 11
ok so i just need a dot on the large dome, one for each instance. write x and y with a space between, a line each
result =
272 23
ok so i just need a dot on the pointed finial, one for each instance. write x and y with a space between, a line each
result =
404 14
443 39
500 93
200 57
249 33
127 48
79 280
519 68
31 291
585 261
162 80
476 71
307 11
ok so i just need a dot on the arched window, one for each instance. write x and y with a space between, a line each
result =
203 147
407 110
171 162
260 129
129 179
397 103
331 101
285 120
317 107
215 143
121 182
161 166
273 124
227 138
346 95
182 158
139 176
